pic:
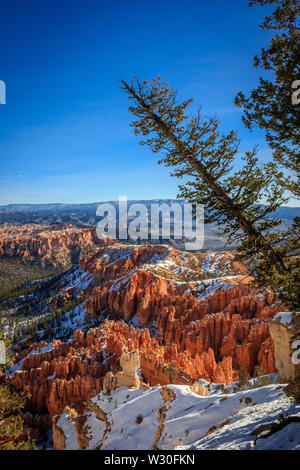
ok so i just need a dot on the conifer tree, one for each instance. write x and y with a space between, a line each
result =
270 105
241 202
12 431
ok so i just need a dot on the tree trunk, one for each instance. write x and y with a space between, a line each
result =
232 208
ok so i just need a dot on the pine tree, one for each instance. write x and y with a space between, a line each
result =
12 431
270 106
243 378
198 151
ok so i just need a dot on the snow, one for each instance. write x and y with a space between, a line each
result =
134 322
121 282
285 317
18 366
206 263
210 287
211 264
218 421
75 279
238 433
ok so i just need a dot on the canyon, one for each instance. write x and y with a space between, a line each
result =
57 244
187 318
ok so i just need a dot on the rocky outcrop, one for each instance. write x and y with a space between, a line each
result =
130 363
68 374
60 244
109 383
168 396
58 436
156 285
285 332
127 377
191 329
119 260
213 349
199 389
164 364
152 298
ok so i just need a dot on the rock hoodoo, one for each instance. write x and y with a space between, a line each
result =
176 317
130 363
285 332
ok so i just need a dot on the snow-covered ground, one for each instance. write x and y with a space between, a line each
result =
75 319
284 317
209 287
76 280
141 419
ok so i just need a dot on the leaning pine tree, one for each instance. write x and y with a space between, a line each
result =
241 202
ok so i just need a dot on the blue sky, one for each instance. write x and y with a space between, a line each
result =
64 132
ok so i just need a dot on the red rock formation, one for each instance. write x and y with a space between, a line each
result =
118 260
160 283
201 333
69 373
164 364
58 243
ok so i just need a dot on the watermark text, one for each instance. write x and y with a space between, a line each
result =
163 221
2 92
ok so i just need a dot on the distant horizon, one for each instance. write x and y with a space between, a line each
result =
109 200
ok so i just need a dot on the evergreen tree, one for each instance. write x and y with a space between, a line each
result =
243 378
12 431
270 106
241 202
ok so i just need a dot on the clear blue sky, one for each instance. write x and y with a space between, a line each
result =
64 132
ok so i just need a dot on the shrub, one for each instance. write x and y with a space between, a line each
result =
173 370
293 388
243 378
261 380
222 388
139 419
12 431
